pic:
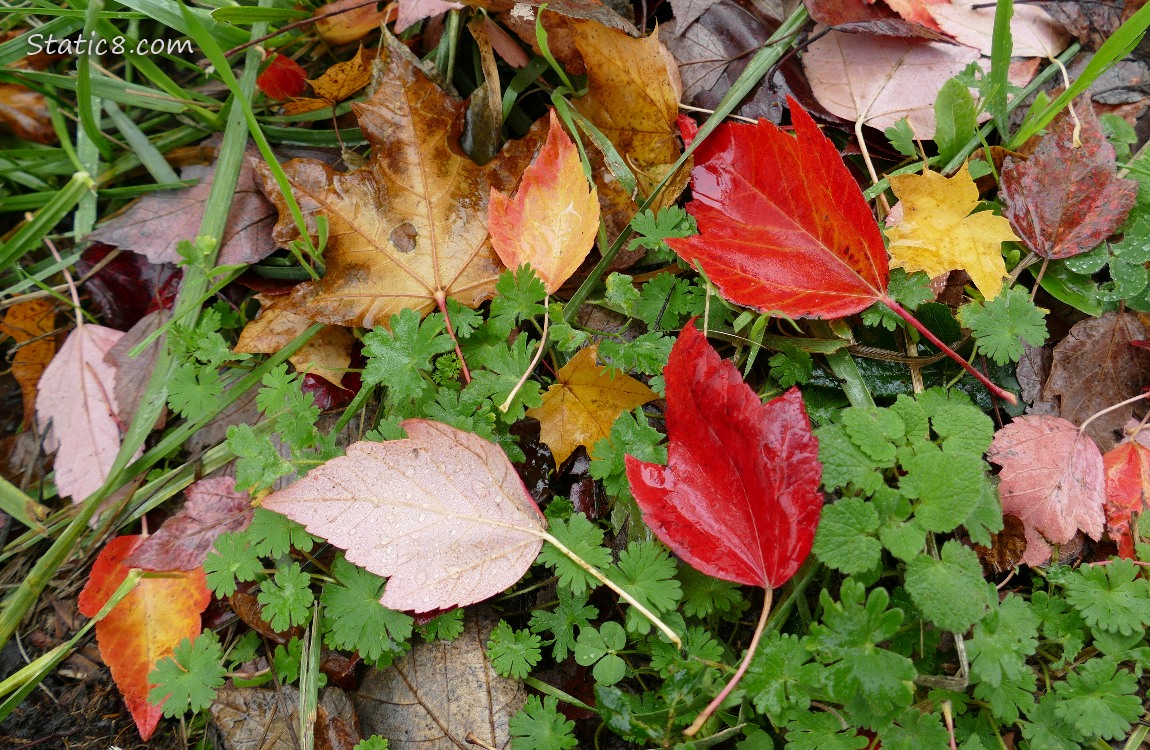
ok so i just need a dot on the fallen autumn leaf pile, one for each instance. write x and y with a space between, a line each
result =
553 375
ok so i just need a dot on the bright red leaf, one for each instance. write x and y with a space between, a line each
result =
145 626
782 224
282 79
739 498
1127 468
783 227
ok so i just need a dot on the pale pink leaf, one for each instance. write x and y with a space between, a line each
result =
76 405
185 539
971 22
411 11
442 514
1052 479
880 80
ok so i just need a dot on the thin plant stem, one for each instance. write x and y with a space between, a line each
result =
441 300
671 634
1119 405
898 309
534 362
751 649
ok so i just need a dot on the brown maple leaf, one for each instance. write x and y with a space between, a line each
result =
409 230
1067 198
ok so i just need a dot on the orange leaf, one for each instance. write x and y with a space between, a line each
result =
145 626
409 229
327 354
345 78
351 24
1127 468
29 323
582 406
551 222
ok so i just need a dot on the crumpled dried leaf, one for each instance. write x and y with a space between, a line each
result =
29 323
583 404
442 515
1065 200
266 718
1052 479
880 80
350 25
145 626
1092 22
440 692
77 403
409 229
155 224
938 233
327 354
1095 367
185 539
552 220
26 113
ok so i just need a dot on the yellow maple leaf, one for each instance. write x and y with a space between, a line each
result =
327 354
938 233
581 407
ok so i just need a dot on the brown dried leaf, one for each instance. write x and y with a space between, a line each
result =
26 113
1095 367
861 17
29 323
410 229
1092 22
1006 547
345 78
442 515
183 542
351 24
77 402
267 718
1052 479
155 224
133 373
421 703
327 354
1065 200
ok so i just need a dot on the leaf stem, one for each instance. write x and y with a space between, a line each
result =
722 696
898 309
441 300
1119 405
534 362
614 587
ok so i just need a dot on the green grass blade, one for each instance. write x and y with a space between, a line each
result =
33 233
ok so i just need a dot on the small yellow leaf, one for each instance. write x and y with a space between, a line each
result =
551 222
582 406
327 354
937 232
344 79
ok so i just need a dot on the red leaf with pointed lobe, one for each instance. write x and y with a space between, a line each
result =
782 224
145 626
282 79
184 541
1127 468
739 498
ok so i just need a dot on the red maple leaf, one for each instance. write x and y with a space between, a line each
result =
1127 468
282 79
783 227
739 498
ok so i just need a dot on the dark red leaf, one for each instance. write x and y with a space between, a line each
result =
782 224
739 498
860 17
128 287
282 79
1065 200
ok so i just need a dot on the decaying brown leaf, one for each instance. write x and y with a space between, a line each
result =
26 113
409 230
29 325
327 354
351 24
440 692
1095 367
1066 198
267 718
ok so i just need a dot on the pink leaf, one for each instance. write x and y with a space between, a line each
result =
1052 479
442 514
77 403
182 543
